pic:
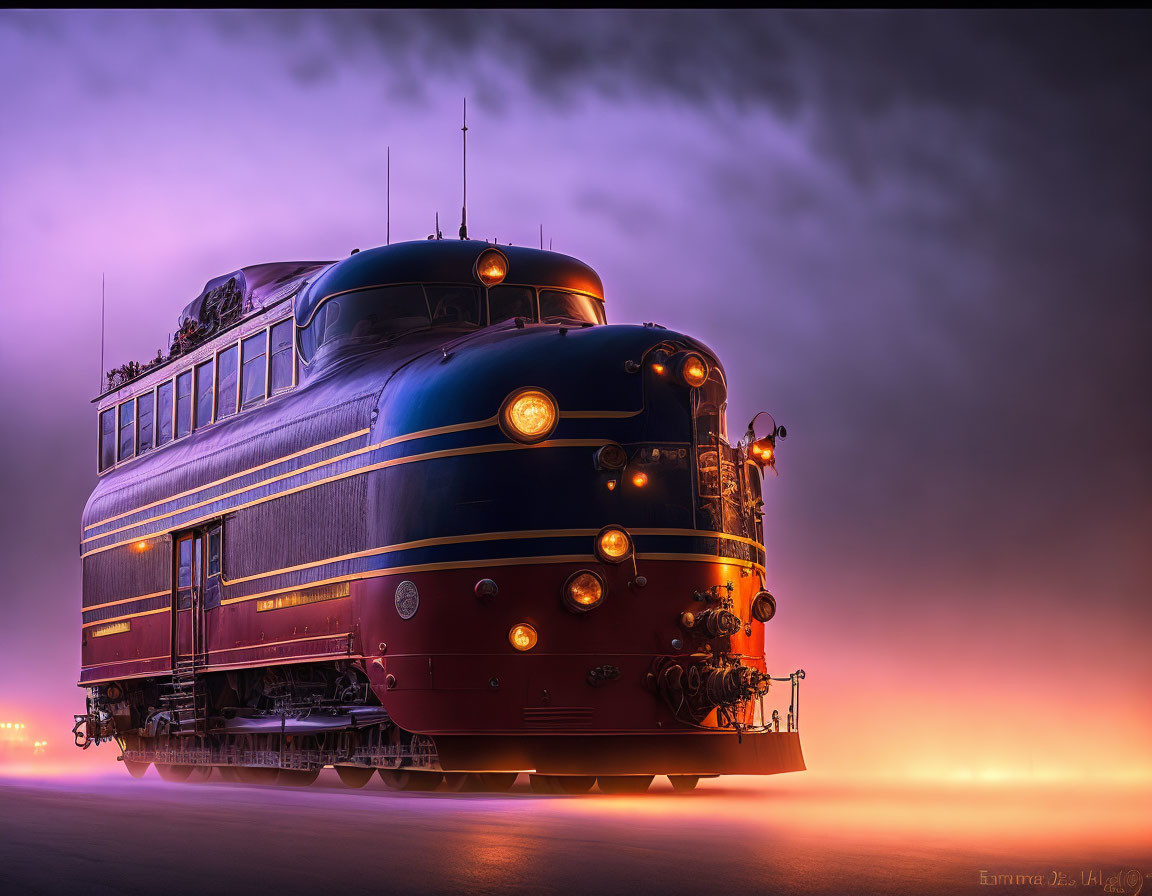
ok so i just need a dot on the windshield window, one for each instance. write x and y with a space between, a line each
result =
557 306
507 302
374 315
454 305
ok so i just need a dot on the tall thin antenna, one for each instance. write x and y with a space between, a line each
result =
388 199
101 389
464 206
541 237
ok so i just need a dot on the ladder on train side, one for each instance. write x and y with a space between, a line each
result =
186 702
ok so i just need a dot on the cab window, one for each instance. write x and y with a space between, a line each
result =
454 305
557 306
281 366
507 302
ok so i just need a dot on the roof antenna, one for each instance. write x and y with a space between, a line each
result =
388 198
541 237
464 207
101 389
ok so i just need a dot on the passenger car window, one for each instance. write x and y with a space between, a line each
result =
107 438
253 368
127 431
203 413
145 406
557 306
226 383
507 302
164 413
184 404
281 356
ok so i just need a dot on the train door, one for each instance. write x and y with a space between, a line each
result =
188 572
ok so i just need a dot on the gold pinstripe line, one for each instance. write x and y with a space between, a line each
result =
414 458
125 600
456 564
126 616
199 488
464 539
482 536
420 434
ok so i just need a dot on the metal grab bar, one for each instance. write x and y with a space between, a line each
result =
794 709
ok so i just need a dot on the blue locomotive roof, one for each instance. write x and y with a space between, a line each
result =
444 261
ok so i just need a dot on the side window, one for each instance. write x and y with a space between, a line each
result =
183 404
253 369
127 432
507 302
226 383
203 414
145 420
107 438
281 361
214 551
164 413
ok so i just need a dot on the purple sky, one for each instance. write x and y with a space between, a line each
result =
920 240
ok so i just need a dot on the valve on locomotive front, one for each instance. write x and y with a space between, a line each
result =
615 526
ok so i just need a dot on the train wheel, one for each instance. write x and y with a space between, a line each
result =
229 773
253 775
200 773
290 777
136 769
352 776
624 783
410 779
174 772
561 784
684 783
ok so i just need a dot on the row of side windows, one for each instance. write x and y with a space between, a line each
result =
238 377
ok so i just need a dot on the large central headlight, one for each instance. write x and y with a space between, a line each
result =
529 415
613 545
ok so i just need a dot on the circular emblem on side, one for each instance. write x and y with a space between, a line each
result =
407 600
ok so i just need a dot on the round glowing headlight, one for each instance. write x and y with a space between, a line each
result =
613 545
763 451
763 607
529 415
522 636
583 591
693 369
491 267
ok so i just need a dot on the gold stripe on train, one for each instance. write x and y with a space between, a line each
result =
412 458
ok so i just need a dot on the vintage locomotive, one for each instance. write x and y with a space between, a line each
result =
422 512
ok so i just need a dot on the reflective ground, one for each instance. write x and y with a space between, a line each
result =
112 834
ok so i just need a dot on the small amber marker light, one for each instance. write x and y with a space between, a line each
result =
658 368
640 479
611 485
140 547
763 452
491 267
522 636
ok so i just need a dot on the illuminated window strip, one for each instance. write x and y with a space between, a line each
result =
116 628
299 598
